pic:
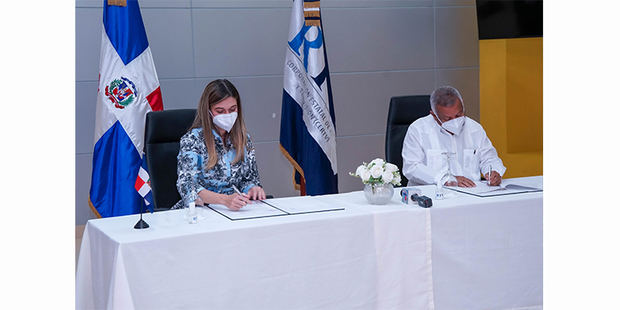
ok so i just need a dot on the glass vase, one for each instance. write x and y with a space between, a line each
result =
378 194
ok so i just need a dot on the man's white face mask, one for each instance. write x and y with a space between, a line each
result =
225 121
454 125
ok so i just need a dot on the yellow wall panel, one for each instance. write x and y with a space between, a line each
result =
493 90
524 95
511 102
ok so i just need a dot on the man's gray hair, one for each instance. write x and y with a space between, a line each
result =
444 96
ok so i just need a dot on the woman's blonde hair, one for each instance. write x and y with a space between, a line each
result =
215 92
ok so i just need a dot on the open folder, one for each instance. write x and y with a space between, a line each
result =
275 207
255 209
505 188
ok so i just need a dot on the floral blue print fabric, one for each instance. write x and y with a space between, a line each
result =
192 176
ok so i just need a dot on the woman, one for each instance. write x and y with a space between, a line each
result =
216 156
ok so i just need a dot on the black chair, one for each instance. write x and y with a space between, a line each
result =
403 111
163 132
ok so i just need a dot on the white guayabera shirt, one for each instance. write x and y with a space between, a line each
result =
425 142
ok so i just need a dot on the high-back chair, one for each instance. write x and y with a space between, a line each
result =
163 132
404 110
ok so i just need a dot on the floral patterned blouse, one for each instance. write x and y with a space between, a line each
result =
192 176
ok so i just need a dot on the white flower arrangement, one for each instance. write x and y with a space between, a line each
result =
378 172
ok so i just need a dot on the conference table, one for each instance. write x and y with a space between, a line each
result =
465 252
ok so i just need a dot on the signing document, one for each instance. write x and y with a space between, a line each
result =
255 209
300 205
507 187
276 207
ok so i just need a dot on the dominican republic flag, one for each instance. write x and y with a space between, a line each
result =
307 128
128 89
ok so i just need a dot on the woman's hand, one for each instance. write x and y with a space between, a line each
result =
256 193
235 201
199 201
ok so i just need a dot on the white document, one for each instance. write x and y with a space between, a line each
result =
255 209
506 187
305 204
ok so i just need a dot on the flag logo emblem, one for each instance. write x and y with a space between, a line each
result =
121 92
307 125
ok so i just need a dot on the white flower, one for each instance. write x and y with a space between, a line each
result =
364 174
378 162
379 171
376 171
390 167
387 176
358 171
396 179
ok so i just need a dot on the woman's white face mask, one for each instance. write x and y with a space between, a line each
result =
225 121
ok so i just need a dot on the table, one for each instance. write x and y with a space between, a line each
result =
465 252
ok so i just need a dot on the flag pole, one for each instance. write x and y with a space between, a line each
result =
302 187
141 224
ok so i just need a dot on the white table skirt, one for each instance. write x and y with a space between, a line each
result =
464 253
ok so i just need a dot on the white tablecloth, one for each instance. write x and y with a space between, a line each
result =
465 252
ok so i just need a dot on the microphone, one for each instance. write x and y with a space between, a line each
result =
423 201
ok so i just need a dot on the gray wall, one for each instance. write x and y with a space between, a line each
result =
376 49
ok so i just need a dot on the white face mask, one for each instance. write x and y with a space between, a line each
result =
225 121
454 125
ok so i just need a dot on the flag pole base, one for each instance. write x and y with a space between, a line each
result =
141 224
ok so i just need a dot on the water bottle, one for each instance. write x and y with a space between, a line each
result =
439 191
192 214
446 176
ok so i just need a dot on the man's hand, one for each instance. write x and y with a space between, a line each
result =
461 181
256 193
495 179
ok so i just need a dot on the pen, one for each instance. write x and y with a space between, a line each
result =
237 190
489 176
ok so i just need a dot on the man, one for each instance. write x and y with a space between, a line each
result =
447 133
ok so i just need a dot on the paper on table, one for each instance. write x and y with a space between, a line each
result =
298 205
481 187
506 187
255 209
